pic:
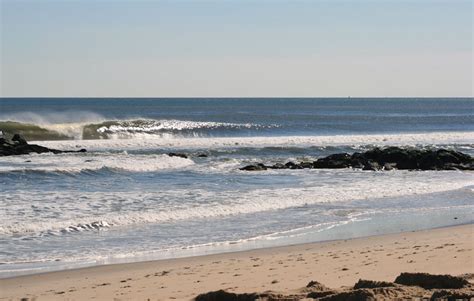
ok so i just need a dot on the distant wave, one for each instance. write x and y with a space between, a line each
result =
119 129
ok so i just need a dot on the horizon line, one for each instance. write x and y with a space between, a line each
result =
231 97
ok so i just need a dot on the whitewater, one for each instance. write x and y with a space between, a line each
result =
127 200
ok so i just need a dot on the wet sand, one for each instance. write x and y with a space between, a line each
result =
283 269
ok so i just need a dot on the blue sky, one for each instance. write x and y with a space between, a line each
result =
236 48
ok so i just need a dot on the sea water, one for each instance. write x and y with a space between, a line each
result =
126 200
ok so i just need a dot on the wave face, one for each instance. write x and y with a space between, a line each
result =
121 129
31 131
129 128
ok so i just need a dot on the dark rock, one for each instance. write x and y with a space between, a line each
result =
278 166
255 167
358 160
19 139
354 295
184 156
371 165
202 156
451 295
20 146
222 295
292 165
330 164
389 158
342 160
428 281
389 154
372 284
306 164
389 166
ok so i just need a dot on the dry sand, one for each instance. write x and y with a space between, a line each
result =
335 264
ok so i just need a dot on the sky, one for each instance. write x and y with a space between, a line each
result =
145 48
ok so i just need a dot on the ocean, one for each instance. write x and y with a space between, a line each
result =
126 200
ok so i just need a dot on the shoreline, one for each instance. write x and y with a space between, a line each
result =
336 232
335 263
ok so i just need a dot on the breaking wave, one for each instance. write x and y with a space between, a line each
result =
72 163
153 207
107 129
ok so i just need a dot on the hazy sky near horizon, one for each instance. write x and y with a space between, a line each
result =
236 48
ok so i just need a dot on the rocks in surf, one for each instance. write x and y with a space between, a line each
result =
18 145
383 159
184 156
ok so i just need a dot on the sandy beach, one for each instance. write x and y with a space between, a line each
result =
336 264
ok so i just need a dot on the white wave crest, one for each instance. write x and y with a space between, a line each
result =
68 123
151 126
149 142
76 210
73 163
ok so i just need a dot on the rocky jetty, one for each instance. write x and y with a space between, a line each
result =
383 159
407 286
17 145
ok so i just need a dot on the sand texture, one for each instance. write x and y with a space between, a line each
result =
283 271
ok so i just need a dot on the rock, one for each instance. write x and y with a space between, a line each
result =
222 295
358 160
202 156
19 146
428 281
389 166
306 164
372 284
19 139
389 158
255 167
371 165
292 165
342 160
184 156
278 166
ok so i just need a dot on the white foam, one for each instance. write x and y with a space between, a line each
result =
72 124
74 163
68 123
145 141
81 208
151 126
